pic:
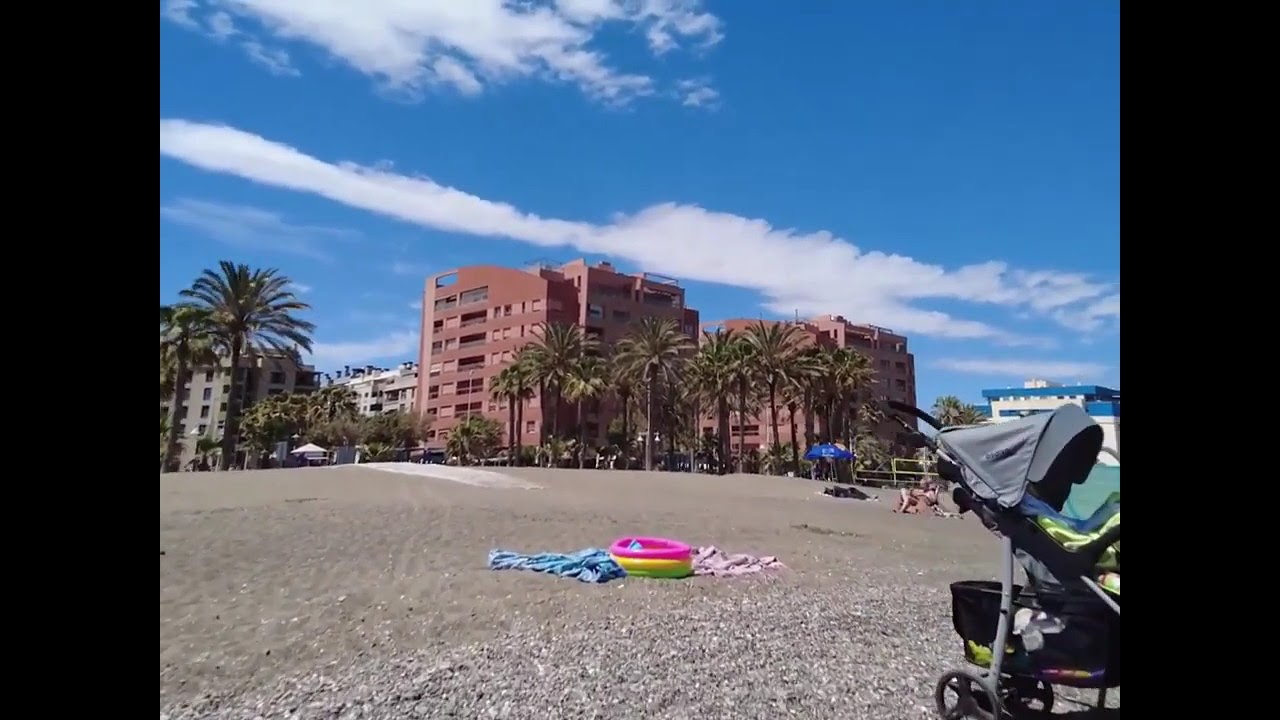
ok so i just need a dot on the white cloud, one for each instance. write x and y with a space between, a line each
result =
1061 371
396 345
400 267
251 228
1091 317
697 92
811 273
220 25
409 45
300 288
416 305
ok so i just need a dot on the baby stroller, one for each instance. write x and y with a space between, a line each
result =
1063 627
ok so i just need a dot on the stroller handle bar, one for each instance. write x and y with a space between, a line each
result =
915 412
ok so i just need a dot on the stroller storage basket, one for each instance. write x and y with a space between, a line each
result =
1084 653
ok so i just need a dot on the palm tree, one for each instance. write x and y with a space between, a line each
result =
205 446
853 376
587 381
164 436
743 372
252 311
774 349
712 376
654 352
971 415
551 357
802 373
622 385
950 410
511 385
474 438
186 342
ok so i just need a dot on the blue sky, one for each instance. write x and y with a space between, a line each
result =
948 170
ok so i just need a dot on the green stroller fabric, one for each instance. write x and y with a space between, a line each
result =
1073 534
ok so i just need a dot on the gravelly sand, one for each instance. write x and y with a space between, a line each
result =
350 593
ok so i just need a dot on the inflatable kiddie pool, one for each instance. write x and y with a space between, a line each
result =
652 557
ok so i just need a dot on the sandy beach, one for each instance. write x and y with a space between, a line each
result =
353 593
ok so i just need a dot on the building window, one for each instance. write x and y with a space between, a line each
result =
206 394
202 429
204 411
595 312
535 306
621 315
479 294
530 426
208 376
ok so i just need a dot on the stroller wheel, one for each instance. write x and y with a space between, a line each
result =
1033 695
961 695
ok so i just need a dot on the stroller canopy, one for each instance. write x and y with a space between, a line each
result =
998 462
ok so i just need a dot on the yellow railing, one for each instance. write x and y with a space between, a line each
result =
902 472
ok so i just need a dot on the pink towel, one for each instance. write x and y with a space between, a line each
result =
711 560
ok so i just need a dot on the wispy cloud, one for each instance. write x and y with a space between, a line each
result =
408 47
401 267
300 288
396 345
1091 317
219 25
698 93
684 241
1065 371
252 228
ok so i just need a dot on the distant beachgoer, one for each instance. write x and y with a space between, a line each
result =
918 500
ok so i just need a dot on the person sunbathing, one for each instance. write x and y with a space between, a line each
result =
918 500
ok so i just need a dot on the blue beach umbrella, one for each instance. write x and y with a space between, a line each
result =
829 451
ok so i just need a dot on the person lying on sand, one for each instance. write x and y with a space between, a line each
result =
918 500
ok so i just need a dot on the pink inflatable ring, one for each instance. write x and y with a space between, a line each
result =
647 548
652 557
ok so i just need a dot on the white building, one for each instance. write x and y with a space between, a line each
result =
381 390
1037 396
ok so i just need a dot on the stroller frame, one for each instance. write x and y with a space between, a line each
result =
988 683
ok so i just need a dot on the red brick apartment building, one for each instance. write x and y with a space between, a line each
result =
475 319
895 370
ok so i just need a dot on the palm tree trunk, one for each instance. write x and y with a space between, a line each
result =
626 431
773 411
555 409
520 430
543 397
512 454
231 427
809 410
648 421
742 426
582 439
795 445
722 430
179 386
697 435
